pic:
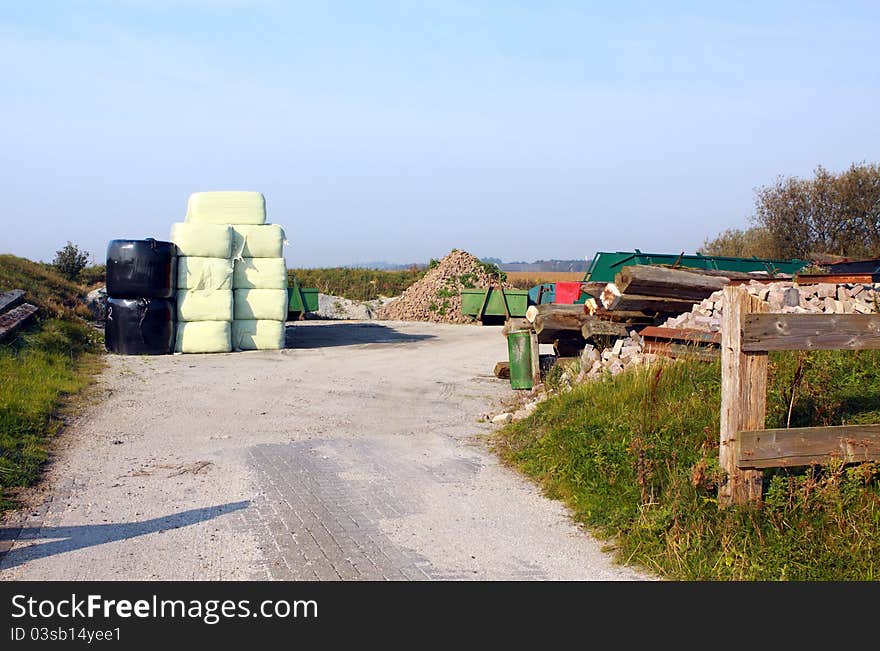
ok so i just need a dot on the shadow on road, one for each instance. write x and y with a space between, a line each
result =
66 539
346 334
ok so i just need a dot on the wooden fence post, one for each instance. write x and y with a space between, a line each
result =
743 396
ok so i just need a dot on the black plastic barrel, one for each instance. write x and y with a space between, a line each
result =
139 326
141 269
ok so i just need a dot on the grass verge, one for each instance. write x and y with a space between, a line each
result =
41 371
636 459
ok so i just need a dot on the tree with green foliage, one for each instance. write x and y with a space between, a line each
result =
829 214
734 242
70 261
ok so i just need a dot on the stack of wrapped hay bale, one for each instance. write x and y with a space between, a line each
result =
232 280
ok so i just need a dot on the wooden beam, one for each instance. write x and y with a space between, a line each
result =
622 316
657 304
762 332
11 299
743 396
596 326
676 349
559 318
646 280
837 279
680 334
16 319
502 370
594 289
804 446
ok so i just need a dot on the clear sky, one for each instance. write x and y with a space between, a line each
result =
383 130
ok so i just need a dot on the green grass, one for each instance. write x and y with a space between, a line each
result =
45 288
357 284
635 458
41 370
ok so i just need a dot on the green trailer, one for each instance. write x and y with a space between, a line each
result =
491 304
301 300
605 265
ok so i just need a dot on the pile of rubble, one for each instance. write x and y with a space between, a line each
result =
437 296
786 297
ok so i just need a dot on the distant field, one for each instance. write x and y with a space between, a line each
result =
357 284
527 279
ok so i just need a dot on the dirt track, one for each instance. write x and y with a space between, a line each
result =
354 454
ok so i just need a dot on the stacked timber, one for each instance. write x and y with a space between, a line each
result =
658 290
560 325
14 313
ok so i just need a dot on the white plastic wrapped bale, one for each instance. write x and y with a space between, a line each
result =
261 304
204 273
226 208
251 334
203 337
204 305
257 241
260 273
202 240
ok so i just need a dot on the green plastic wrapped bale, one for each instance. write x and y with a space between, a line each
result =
204 305
257 241
203 337
226 208
251 334
268 304
202 240
204 273
260 273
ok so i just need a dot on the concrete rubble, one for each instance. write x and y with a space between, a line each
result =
437 296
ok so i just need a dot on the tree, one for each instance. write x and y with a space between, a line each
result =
70 261
837 214
827 215
752 242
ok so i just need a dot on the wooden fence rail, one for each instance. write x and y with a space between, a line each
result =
748 332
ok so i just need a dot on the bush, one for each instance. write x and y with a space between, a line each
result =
70 261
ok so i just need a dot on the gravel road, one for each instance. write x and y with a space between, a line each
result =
356 453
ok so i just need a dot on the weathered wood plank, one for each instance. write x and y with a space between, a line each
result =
559 318
594 289
680 334
11 299
646 280
622 316
804 446
743 396
762 332
838 279
676 349
596 326
656 304
15 319
502 370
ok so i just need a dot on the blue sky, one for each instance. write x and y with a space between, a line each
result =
399 130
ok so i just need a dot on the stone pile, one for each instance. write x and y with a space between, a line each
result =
786 297
437 296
